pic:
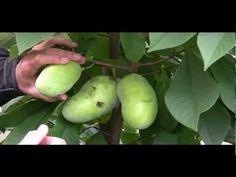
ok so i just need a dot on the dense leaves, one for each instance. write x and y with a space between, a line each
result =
31 122
224 73
193 75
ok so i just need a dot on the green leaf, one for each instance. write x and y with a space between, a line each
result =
231 137
214 125
65 130
133 45
213 46
160 41
129 137
13 102
187 136
7 40
86 44
26 41
30 123
13 52
97 139
147 135
165 138
18 113
164 118
64 35
89 35
101 50
233 51
224 72
191 92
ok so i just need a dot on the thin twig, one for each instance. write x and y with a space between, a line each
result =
109 65
158 71
166 58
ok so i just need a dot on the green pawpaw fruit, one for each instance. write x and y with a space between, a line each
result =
96 98
138 101
57 79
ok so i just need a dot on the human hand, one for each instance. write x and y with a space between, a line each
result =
39 137
40 55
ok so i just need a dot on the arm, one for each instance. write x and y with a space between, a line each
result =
8 85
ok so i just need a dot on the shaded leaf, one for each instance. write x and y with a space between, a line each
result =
97 139
164 118
187 136
7 40
101 50
214 125
165 138
13 52
224 72
129 137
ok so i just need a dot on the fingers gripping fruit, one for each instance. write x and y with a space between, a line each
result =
97 97
55 80
138 101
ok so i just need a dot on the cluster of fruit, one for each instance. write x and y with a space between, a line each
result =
100 95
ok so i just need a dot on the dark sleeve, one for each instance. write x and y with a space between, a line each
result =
8 85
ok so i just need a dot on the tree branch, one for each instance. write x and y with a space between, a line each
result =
112 129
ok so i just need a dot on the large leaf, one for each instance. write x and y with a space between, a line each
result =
65 130
213 46
133 45
214 124
26 41
191 93
224 72
7 39
16 114
160 41
30 123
